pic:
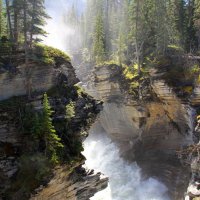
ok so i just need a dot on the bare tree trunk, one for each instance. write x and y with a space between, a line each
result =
107 35
28 72
16 23
25 26
1 9
136 37
9 19
46 143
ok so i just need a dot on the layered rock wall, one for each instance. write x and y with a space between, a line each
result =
78 185
38 77
73 183
149 132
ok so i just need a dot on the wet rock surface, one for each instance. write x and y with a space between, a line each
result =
149 131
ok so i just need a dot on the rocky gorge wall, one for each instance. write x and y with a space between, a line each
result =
67 181
148 131
42 78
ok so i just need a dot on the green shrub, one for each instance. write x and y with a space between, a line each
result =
49 55
80 90
70 111
132 78
174 49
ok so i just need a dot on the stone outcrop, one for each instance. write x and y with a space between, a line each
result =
149 131
192 156
65 183
78 185
42 78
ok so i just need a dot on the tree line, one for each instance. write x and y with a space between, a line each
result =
120 30
130 30
22 21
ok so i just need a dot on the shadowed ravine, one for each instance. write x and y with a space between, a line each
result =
143 132
125 179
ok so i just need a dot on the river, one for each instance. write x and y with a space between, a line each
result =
125 179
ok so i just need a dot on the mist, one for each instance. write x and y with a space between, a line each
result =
72 23
63 32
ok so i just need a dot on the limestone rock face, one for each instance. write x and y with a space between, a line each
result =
10 142
42 78
75 183
149 131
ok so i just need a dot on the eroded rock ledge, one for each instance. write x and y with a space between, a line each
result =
79 184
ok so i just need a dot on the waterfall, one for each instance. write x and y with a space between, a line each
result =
125 179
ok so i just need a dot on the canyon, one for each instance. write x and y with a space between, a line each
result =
150 130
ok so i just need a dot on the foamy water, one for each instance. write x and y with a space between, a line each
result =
125 182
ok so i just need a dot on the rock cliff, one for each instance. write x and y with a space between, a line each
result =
17 148
149 130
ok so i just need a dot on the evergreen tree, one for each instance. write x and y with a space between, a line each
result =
17 8
1 17
37 15
138 32
191 39
8 10
99 40
52 141
25 20
121 48
70 111
176 22
196 20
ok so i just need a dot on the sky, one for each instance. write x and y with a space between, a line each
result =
54 6
59 33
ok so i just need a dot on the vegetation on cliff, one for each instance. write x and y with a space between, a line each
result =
139 36
130 31
25 20
130 36
51 132
49 55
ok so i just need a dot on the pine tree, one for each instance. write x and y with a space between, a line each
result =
25 20
70 111
137 31
121 48
196 20
8 10
1 17
99 40
191 39
37 16
176 22
52 141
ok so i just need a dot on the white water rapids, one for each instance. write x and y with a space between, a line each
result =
125 180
